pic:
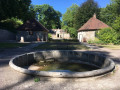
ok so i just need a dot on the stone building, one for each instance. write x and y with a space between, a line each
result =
88 30
32 30
59 34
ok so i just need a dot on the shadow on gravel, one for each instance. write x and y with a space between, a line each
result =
4 62
24 79
104 53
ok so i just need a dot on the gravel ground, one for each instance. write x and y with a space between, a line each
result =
13 80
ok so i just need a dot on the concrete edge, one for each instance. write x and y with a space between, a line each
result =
63 74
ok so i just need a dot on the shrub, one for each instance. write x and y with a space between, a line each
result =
108 35
71 31
49 37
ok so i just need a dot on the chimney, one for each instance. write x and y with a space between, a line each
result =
94 15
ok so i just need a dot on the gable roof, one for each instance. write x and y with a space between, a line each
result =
93 24
32 25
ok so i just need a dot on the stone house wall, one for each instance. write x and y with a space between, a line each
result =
59 34
85 36
43 36
63 35
66 36
6 35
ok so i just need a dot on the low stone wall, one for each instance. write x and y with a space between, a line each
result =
105 64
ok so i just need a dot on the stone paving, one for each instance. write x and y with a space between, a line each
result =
13 80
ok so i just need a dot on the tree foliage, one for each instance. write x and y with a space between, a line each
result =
68 20
46 15
106 15
10 24
110 12
14 8
115 4
116 24
85 12
69 16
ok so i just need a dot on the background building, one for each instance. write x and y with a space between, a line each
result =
59 34
88 30
32 30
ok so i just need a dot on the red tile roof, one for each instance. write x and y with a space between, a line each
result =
93 24
32 25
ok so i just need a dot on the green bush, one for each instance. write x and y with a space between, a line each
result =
71 31
49 37
10 24
108 35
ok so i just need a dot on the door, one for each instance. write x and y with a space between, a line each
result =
80 37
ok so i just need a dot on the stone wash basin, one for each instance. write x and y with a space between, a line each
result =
105 64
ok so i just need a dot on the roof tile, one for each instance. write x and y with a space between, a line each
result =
93 24
32 25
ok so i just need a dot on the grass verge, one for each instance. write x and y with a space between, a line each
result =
114 47
61 46
12 45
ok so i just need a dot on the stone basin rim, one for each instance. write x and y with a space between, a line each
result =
63 74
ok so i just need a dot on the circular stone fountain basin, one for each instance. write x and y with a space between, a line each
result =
104 64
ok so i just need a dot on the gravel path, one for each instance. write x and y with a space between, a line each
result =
13 80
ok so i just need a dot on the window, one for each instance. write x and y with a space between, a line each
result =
30 33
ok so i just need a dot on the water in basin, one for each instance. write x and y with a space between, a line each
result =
63 66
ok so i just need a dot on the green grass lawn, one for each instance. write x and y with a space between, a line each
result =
64 41
12 45
114 47
62 45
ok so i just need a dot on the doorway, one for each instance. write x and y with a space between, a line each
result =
58 35
80 37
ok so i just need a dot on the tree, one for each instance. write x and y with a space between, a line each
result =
46 15
107 16
68 20
116 24
69 16
85 12
115 4
110 12
14 8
